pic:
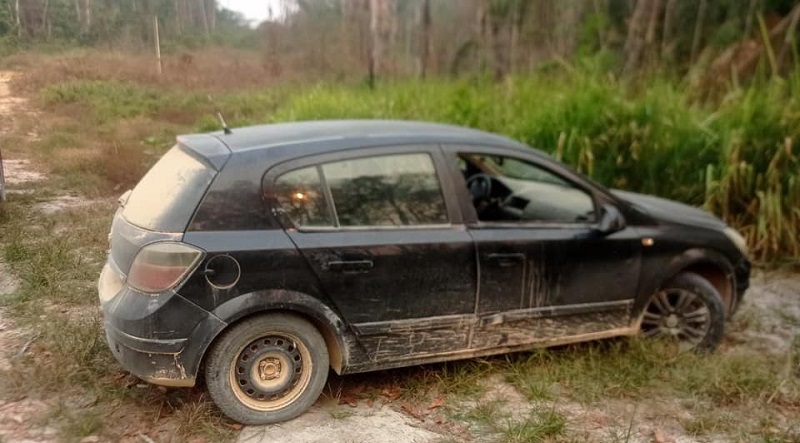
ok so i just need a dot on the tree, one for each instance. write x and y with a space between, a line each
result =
380 28
424 37
639 30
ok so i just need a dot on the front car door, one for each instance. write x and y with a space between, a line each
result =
397 262
546 274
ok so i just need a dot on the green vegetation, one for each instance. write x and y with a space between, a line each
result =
635 368
736 157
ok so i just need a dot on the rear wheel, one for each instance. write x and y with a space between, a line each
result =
267 369
687 310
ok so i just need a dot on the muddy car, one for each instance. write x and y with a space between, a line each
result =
261 258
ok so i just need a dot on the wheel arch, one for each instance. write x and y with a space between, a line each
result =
713 266
332 328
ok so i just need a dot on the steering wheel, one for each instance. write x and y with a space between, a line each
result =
480 186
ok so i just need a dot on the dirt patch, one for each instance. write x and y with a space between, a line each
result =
9 103
64 202
769 319
18 417
363 424
19 172
8 336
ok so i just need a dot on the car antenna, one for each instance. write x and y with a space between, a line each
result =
225 129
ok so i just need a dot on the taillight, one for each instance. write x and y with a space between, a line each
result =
160 266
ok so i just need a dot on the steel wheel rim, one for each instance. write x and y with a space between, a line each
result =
679 315
271 372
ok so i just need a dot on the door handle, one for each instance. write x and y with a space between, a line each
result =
350 265
506 259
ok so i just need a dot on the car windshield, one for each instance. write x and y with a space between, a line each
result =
166 197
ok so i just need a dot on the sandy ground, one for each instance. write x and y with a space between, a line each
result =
362 424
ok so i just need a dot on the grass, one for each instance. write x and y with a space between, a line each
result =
538 426
57 259
591 372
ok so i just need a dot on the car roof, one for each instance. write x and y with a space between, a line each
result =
265 136
346 134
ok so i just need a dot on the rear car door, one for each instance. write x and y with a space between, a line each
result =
546 274
395 258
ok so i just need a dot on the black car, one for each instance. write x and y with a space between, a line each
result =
262 257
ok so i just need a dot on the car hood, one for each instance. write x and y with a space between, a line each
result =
671 211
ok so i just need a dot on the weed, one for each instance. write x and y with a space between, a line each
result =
484 414
81 423
540 425
592 371
708 421
339 413
198 417
729 380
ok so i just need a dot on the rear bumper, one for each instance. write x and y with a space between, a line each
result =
161 362
158 338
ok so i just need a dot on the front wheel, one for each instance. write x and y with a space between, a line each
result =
687 310
267 369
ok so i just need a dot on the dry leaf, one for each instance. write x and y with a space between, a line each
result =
413 411
392 392
437 403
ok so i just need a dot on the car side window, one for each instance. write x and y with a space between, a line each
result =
510 189
387 190
300 195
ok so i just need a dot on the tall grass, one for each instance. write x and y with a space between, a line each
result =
735 157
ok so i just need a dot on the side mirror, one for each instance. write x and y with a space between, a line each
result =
611 220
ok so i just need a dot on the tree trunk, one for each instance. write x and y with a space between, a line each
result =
666 36
652 25
44 17
425 37
177 12
482 34
211 11
513 43
78 11
598 12
88 14
380 28
698 30
19 22
205 17
499 49
635 42
158 44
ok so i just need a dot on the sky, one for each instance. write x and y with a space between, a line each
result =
254 10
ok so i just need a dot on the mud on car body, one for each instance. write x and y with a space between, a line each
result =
263 257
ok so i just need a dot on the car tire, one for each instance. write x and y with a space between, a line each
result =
687 309
267 369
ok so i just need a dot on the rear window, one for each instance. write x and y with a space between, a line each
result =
165 199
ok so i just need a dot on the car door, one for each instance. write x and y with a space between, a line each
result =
545 271
397 261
